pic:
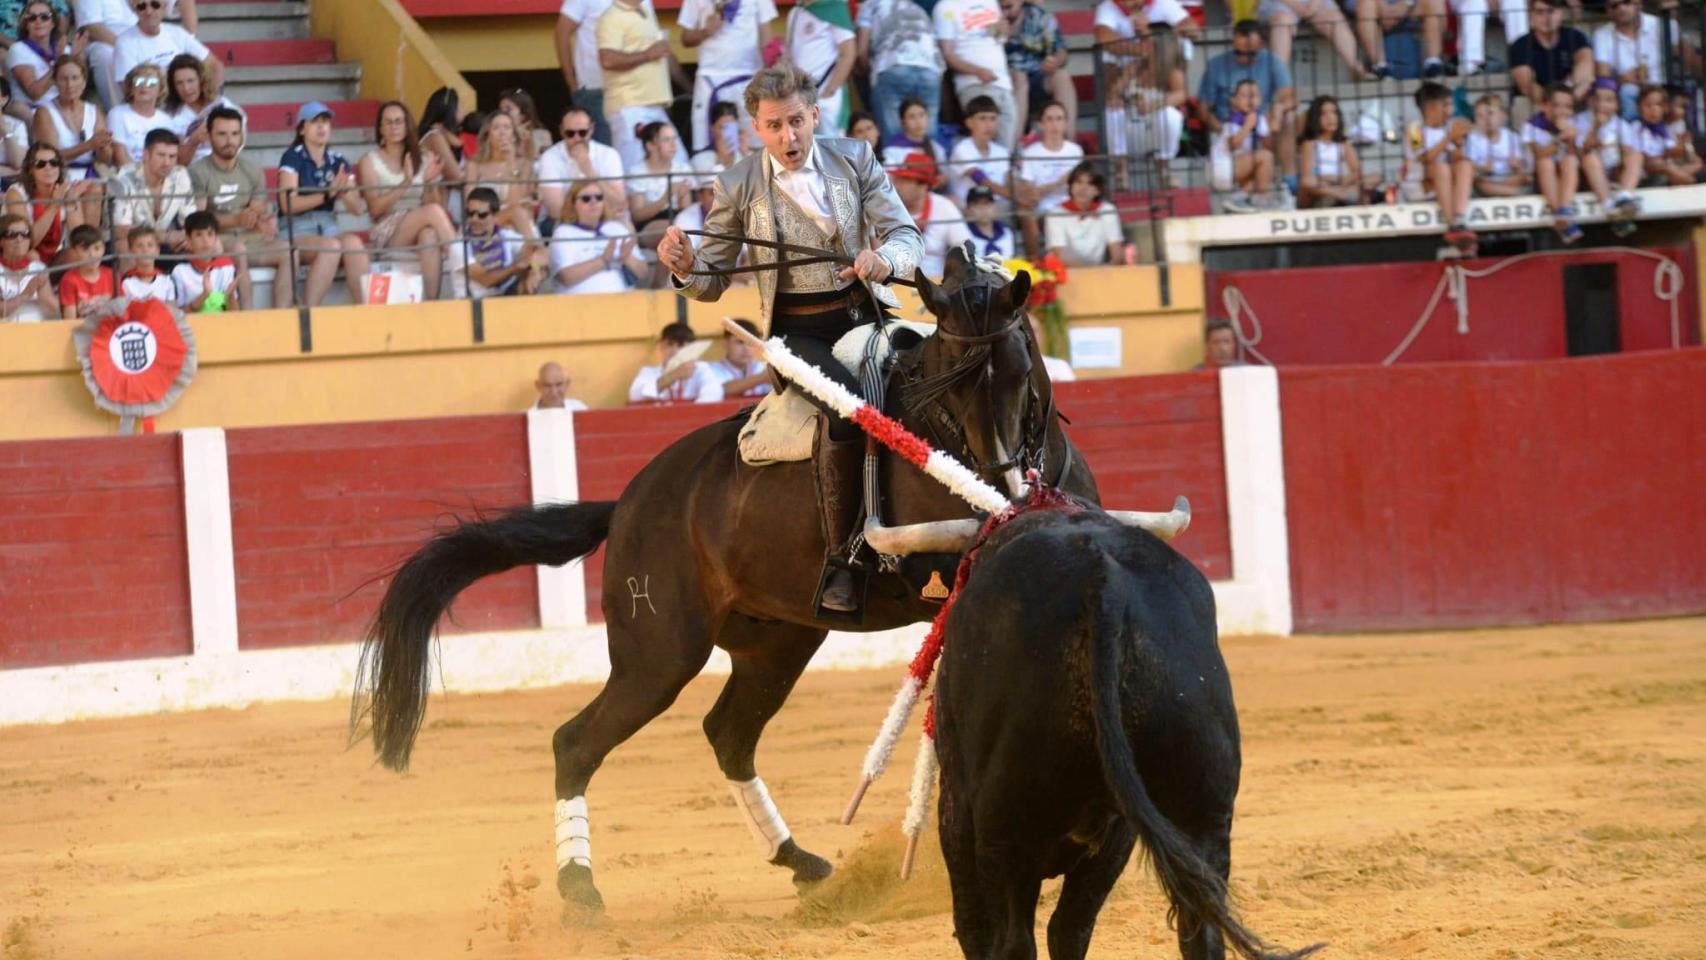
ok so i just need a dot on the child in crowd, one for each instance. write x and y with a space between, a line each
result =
915 135
980 160
1329 172
1609 156
90 284
990 236
1245 140
1668 160
144 281
1551 139
207 282
1434 162
1500 163
1680 103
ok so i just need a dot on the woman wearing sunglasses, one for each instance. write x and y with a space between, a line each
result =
139 114
103 21
588 250
42 197
30 59
26 295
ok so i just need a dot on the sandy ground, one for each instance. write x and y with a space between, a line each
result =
1498 794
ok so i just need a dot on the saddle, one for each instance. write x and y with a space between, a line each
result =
782 426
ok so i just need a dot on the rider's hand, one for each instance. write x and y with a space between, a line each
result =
868 265
675 251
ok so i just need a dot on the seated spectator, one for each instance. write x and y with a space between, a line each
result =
1630 50
1085 230
139 115
156 193
1472 30
491 261
30 59
1045 165
989 236
313 181
1329 171
145 280
725 134
939 222
88 285
1434 164
1681 105
660 186
971 35
590 251
1057 368
1220 346
26 296
189 100
517 104
75 126
1245 142
1146 90
663 383
1497 157
1550 136
235 192
207 281
740 373
897 44
1609 156
440 131
14 136
863 126
1667 159
156 42
41 197
1375 17
1550 53
578 157
553 386
1037 57
820 41
917 127
499 164
979 160
1282 17
404 191
1247 61
103 21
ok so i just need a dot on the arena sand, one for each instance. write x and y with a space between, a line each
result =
1492 794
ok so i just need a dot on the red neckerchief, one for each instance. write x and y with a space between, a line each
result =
1073 206
138 274
203 266
23 264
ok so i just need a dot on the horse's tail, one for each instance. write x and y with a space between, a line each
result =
1194 887
396 653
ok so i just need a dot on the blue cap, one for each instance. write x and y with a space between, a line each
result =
311 110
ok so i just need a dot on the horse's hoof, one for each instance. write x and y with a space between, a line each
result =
582 904
809 868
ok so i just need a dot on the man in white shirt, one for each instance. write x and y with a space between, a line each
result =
686 382
154 41
937 218
103 21
730 36
155 193
553 386
579 156
821 42
490 261
577 57
1630 50
973 42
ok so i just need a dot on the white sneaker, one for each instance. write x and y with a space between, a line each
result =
1238 202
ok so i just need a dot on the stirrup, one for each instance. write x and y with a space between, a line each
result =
860 576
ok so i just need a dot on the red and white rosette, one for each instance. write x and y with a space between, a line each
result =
137 358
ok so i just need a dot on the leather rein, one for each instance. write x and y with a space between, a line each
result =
808 256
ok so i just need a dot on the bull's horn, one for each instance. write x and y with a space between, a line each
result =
940 536
1164 525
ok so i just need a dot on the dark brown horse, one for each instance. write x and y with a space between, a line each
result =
729 556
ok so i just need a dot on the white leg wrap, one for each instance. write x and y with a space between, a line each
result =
574 833
753 798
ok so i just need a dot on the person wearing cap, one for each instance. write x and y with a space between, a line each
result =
819 193
938 219
313 181
154 41
989 235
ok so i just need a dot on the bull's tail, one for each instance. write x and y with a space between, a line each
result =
1194 886
396 662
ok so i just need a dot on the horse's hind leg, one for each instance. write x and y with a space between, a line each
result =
648 669
768 659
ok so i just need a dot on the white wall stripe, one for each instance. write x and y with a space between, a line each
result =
1258 600
207 528
556 479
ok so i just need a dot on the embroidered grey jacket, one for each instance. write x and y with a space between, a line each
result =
868 214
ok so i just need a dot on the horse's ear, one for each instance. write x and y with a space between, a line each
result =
1019 291
931 293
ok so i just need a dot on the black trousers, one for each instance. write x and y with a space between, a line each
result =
818 352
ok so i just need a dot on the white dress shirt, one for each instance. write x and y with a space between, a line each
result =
806 188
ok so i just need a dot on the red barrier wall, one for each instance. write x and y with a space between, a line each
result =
1147 439
317 512
93 564
1515 314
1457 495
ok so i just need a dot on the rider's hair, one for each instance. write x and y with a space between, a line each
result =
779 81
678 333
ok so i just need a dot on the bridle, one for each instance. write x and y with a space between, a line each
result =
808 256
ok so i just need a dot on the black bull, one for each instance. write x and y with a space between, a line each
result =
1082 707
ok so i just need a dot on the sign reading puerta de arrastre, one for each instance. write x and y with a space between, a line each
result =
137 358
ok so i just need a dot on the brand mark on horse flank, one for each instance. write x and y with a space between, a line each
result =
640 588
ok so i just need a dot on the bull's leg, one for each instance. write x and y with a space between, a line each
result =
972 926
1012 876
1085 890
768 659
648 668
1213 841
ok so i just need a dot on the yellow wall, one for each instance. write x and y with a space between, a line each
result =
398 60
375 363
